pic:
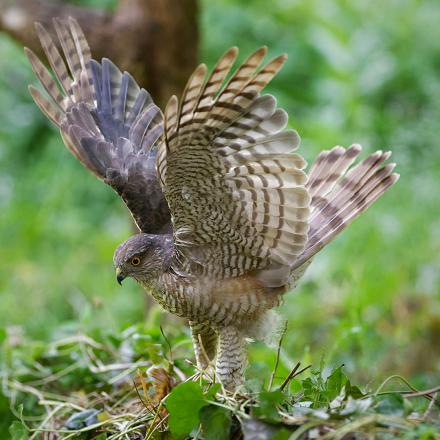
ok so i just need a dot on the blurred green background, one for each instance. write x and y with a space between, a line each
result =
358 71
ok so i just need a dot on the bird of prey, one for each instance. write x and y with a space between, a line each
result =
228 217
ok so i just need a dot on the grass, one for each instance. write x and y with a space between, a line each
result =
356 73
140 384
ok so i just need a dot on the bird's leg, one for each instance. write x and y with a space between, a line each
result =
231 358
205 343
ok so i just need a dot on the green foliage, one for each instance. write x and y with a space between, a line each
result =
268 405
215 422
322 391
369 301
364 71
325 399
18 431
184 404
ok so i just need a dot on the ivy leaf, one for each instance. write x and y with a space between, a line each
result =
335 382
18 431
268 402
353 391
184 403
391 404
309 389
216 422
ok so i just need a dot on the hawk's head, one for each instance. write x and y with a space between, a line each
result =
142 257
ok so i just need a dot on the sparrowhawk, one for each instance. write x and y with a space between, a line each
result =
228 217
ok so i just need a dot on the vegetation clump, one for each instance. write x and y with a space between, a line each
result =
138 385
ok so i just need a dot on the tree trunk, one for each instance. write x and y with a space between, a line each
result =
155 40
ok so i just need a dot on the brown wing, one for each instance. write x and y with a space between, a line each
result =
108 123
339 196
236 193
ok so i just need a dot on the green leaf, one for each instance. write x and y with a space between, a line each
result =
184 403
391 404
18 431
282 434
210 394
335 382
353 391
268 402
216 422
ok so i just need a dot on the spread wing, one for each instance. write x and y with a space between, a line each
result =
236 193
340 193
108 123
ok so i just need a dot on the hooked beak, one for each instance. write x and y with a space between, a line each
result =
119 276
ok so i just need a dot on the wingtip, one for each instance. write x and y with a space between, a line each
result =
395 177
202 67
39 28
260 53
338 149
33 90
356 147
72 20
28 52
387 154
389 167
231 54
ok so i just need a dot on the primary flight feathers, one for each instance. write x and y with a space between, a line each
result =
108 123
219 165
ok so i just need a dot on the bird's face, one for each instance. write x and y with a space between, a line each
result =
141 257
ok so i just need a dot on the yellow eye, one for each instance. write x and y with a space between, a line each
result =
135 261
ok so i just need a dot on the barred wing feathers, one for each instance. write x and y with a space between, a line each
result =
237 196
340 193
108 123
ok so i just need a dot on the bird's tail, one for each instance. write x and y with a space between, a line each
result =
339 196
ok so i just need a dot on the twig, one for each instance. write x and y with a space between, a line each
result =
277 361
140 397
413 393
434 390
430 406
292 374
202 348
395 376
168 343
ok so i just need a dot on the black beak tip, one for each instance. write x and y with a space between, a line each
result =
119 279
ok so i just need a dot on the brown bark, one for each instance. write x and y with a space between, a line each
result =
155 40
